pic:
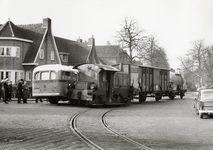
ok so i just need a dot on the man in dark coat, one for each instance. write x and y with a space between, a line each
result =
1 84
19 91
6 90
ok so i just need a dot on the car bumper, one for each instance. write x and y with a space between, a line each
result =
206 111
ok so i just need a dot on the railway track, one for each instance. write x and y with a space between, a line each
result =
91 127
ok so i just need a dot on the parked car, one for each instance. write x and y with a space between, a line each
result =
203 104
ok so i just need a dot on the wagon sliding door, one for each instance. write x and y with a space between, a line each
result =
164 74
156 80
146 78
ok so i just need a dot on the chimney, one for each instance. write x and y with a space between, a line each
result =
47 23
79 40
91 41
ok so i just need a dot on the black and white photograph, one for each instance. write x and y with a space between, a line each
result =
106 74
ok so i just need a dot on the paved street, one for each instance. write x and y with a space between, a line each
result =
167 124
37 126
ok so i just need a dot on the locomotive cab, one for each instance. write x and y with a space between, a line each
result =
96 85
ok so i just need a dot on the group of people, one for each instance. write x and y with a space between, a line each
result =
22 92
5 90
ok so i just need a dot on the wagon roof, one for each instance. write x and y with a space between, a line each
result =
152 67
98 66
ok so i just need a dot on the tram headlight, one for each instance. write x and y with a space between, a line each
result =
157 87
174 87
92 86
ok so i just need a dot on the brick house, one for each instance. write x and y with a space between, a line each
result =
23 47
112 54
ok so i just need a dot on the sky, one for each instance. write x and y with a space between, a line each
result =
176 23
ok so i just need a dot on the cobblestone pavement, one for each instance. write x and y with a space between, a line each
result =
37 126
164 125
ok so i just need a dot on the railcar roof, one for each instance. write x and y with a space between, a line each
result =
55 67
99 66
152 67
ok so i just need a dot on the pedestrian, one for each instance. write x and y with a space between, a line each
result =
6 90
40 99
10 90
19 91
1 86
26 89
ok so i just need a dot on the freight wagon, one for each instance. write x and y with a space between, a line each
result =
149 81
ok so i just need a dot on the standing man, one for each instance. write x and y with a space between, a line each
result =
19 90
10 87
1 87
25 92
6 90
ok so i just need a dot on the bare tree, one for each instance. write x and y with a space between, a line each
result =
130 36
160 58
151 53
197 61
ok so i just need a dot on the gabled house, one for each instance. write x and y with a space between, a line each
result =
23 47
112 54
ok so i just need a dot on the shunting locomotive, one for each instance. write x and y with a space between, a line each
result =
90 84
102 85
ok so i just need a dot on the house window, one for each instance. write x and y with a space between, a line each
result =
10 51
8 75
64 57
28 76
17 52
1 51
21 75
52 57
41 54
16 77
1 75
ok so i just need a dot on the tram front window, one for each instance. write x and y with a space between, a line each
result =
37 76
66 75
52 75
88 76
45 75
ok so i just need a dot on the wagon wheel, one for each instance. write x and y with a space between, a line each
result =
157 98
128 101
53 100
171 97
181 95
142 98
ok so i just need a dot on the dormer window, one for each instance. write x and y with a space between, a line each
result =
64 57
41 54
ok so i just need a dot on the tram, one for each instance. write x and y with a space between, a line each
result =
52 82
89 84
